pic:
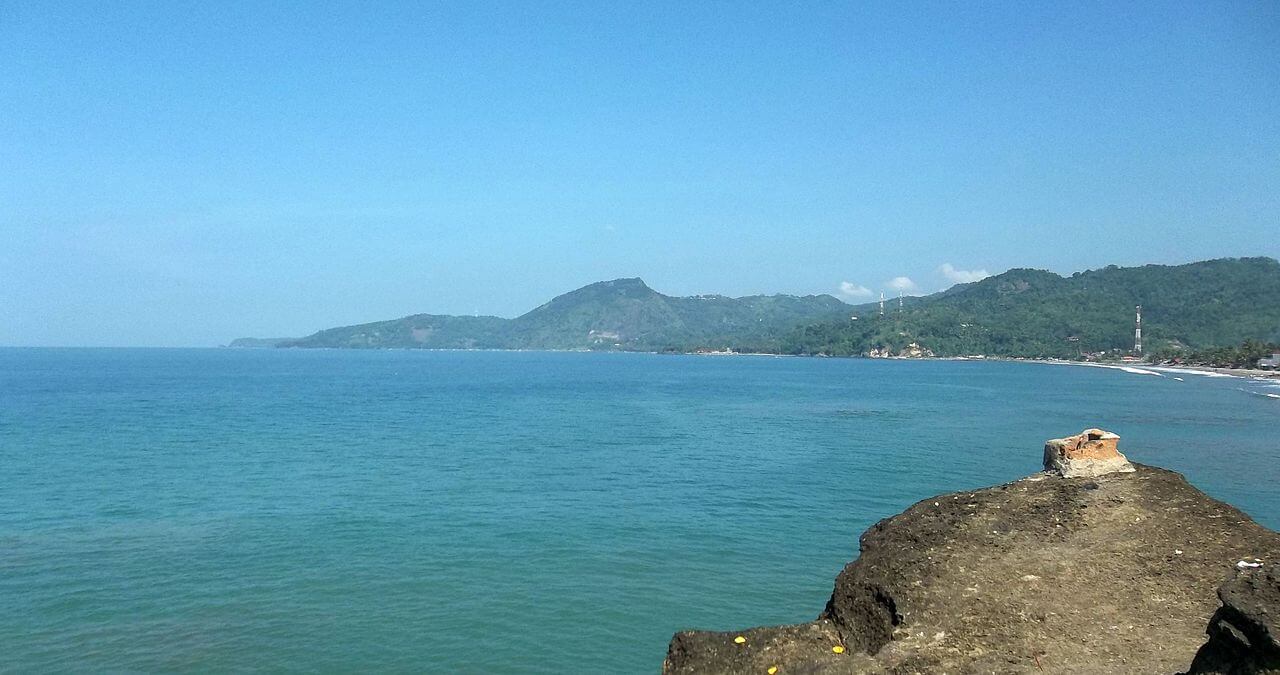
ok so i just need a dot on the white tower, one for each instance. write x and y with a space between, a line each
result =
1137 332
881 303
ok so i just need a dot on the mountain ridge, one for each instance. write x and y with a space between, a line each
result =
623 314
1021 312
1035 313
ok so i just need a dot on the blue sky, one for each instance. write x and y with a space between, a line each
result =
178 174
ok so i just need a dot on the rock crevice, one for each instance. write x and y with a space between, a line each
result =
1244 634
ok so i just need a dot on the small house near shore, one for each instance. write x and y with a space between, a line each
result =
1271 362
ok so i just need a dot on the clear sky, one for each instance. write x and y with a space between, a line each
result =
178 174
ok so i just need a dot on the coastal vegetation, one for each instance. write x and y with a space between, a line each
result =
1038 314
1245 355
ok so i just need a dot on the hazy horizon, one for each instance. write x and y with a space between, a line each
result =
177 176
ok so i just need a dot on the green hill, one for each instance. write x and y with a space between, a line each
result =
257 343
624 314
627 314
1035 313
426 331
1022 312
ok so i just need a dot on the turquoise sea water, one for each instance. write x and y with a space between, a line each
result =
509 512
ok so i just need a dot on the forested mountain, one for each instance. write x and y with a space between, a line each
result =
1035 313
628 314
1022 312
623 314
434 331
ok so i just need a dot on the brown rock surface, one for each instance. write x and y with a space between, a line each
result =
1114 574
1092 452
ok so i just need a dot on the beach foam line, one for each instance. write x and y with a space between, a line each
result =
1139 371
1189 371
1127 369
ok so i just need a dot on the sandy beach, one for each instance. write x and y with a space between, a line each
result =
1252 373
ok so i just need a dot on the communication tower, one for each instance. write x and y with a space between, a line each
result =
1137 332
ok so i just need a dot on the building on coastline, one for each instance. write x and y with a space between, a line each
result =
1271 362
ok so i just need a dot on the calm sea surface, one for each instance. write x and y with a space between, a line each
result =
220 510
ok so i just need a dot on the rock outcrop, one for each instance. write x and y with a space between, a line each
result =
915 351
1092 452
1109 574
1244 634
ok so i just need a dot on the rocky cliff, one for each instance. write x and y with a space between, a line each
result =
1111 573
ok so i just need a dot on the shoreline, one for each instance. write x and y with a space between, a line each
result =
1147 369
1247 373
1136 366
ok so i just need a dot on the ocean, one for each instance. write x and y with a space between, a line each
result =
510 512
